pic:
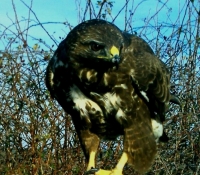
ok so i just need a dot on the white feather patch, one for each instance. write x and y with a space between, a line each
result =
81 101
90 74
144 95
124 86
157 129
111 101
114 99
51 78
120 115
105 77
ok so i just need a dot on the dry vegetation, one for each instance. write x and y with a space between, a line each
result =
37 137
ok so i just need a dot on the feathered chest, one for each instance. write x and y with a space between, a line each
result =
110 87
100 77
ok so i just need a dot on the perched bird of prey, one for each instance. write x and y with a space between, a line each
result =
111 84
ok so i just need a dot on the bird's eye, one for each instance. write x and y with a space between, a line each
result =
96 47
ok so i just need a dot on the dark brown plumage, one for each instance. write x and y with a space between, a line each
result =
111 84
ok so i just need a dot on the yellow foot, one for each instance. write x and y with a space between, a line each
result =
108 172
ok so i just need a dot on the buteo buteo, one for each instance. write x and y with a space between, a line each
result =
111 84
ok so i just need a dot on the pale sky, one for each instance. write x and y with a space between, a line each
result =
67 10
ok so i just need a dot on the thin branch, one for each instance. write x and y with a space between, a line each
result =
38 21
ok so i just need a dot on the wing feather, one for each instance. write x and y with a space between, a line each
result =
147 71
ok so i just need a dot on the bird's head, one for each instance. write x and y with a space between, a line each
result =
95 41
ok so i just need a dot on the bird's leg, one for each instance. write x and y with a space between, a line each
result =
91 163
120 165
118 169
90 144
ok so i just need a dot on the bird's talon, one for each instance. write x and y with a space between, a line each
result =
91 171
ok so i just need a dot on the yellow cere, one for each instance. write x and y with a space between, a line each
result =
114 51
